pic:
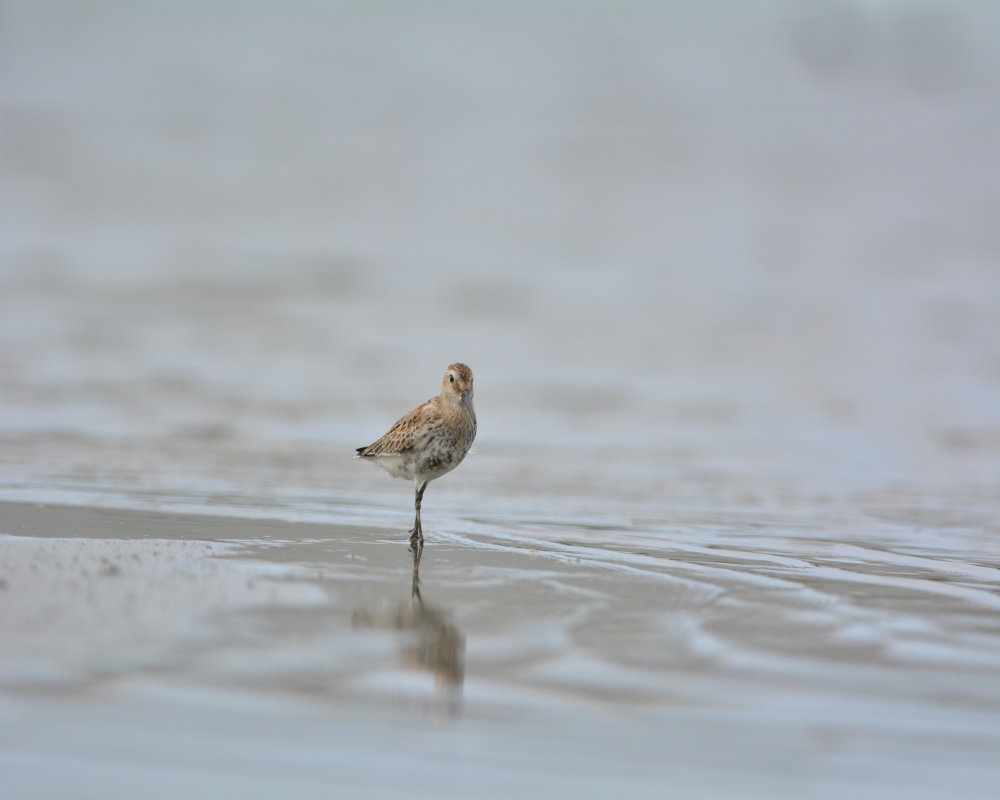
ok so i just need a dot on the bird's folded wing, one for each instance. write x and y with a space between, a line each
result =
406 433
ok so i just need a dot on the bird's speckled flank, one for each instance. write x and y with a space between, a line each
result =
432 439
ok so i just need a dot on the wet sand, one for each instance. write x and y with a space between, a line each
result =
729 284
168 655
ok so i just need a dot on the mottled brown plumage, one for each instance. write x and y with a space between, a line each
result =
431 440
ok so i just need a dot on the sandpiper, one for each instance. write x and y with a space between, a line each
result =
431 440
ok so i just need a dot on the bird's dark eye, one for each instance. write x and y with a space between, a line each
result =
451 378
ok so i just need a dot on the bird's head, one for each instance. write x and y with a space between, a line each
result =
458 384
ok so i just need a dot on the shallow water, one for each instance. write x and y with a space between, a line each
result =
730 285
529 660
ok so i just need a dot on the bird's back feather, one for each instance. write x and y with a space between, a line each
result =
403 435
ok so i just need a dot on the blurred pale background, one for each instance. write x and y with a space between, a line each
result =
702 231
729 278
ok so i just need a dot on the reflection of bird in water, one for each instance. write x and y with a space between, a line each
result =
431 440
440 646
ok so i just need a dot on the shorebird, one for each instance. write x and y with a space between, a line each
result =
431 440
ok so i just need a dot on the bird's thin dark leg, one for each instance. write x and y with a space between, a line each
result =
416 548
417 534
